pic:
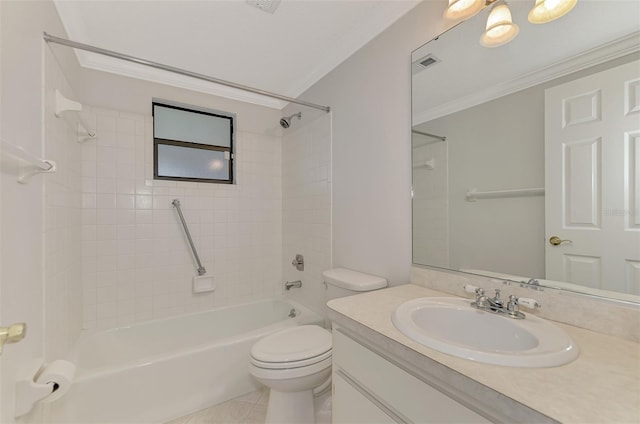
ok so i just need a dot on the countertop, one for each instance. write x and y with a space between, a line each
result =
602 385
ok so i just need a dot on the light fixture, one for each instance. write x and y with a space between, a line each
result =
549 10
463 9
500 27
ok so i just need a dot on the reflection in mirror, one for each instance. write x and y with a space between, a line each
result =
526 157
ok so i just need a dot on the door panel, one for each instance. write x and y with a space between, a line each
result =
581 179
581 109
632 279
586 269
632 176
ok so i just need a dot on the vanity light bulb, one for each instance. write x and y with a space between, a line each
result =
549 10
463 9
500 27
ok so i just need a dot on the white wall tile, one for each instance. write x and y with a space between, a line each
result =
70 232
137 260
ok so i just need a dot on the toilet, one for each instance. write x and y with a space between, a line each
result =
295 363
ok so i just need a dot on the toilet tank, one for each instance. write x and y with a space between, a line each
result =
342 282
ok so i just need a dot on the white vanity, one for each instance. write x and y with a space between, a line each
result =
369 388
381 375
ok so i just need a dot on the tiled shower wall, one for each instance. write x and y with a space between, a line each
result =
430 201
136 263
62 229
306 183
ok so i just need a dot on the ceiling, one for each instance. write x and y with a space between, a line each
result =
284 52
468 73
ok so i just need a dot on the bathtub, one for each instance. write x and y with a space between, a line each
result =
155 371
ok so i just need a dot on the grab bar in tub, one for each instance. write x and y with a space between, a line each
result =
176 204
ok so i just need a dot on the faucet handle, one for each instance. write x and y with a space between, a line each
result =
469 288
497 299
528 303
515 301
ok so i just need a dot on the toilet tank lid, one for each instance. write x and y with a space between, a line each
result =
353 280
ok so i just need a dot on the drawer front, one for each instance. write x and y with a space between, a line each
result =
401 392
351 406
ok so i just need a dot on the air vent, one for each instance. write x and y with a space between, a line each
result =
424 63
269 6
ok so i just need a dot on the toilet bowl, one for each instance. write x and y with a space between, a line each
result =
292 363
296 363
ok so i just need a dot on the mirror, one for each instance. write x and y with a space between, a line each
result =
514 145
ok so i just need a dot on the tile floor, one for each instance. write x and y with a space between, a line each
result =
247 409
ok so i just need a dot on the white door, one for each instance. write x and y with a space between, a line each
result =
592 162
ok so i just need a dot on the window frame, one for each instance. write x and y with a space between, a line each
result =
191 145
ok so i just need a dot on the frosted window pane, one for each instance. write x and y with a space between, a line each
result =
184 162
182 125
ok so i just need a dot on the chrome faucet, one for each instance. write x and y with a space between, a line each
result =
496 305
496 301
485 302
292 284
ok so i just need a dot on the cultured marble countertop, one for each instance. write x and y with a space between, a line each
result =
602 385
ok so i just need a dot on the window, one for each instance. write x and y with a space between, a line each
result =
192 144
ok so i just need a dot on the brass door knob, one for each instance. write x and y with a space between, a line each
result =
557 241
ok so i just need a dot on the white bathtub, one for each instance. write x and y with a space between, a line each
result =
155 371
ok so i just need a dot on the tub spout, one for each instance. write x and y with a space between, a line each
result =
292 284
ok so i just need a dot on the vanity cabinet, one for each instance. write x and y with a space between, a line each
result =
368 388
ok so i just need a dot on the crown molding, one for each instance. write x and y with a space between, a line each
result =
613 50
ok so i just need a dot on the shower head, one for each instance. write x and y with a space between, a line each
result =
286 122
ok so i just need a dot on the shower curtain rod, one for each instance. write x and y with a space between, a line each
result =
63 41
439 137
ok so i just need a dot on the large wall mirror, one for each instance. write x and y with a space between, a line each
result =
526 157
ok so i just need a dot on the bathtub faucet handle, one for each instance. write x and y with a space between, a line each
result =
298 262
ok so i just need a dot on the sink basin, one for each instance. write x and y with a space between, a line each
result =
450 325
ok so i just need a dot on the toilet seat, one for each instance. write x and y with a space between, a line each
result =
294 347
291 364
279 374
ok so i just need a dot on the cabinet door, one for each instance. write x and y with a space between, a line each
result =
350 406
406 397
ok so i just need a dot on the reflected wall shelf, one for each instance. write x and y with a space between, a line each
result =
473 194
427 164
